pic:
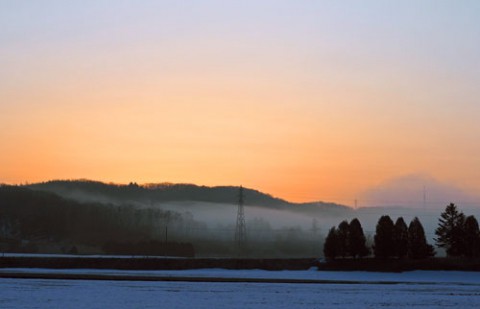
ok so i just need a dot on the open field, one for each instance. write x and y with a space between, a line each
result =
418 289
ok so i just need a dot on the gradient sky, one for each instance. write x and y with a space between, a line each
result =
306 100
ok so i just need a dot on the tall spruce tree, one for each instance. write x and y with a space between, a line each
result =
400 238
383 247
418 248
330 247
471 237
357 240
450 231
342 239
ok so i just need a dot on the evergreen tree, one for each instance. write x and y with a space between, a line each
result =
331 244
383 247
400 238
342 239
418 248
472 237
357 240
450 231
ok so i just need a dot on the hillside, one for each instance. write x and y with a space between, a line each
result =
93 217
46 219
93 191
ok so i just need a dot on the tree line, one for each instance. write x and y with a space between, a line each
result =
34 216
390 240
457 234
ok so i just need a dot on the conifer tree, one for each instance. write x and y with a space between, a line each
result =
400 238
383 247
331 244
418 248
450 231
472 237
357 240
342 239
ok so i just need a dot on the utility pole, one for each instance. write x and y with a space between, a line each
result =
240 229
424 197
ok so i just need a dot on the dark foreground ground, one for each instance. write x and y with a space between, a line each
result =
400 265
170 278
159 263
154 263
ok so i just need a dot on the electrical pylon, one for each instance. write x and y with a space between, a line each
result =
240 229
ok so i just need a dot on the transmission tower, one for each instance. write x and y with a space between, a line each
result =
240 230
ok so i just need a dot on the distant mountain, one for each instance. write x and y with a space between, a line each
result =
94 191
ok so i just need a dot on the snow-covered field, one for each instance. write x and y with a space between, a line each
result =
418 289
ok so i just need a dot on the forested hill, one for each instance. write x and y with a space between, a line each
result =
94 217
93 191
32 215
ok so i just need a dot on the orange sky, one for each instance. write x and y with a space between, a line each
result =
298 100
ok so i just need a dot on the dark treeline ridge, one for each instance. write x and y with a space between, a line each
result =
167 192
162 192
29 219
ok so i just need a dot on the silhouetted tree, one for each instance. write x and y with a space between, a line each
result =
330 247
418 248
450 231
342 239
384 247
357 240
472 237
400 238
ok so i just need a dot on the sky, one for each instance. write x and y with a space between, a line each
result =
305 100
